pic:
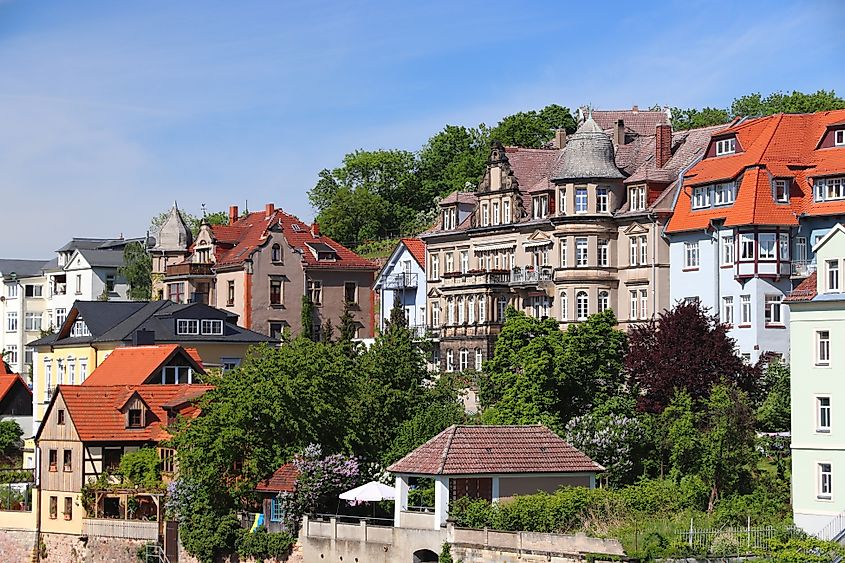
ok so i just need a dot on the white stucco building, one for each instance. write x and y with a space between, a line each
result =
747 215
23 303
401 282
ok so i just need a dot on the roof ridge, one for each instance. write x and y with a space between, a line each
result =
446 448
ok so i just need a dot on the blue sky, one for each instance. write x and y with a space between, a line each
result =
111 110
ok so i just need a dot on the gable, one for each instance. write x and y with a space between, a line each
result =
635 229
50 428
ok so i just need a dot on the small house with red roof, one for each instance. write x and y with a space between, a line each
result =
165 364
282 481
401 282
748 216
261 264
494 463
15 400
86 431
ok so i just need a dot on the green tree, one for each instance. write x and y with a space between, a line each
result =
695 118
142 468
534 128
453 160
779 102
436 416
306 318
137 269
774 414
10 438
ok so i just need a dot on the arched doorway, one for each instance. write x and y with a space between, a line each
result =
425 556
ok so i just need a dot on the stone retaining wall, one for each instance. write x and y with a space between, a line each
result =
17 545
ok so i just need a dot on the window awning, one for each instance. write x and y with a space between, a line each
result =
535 243
502 246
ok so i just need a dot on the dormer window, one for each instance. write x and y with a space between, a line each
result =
830 189
701 197
322 251
212 326
174 375
203 255
726 146
636 198
723 194
781 190
276 253
540 206
450 218
485 215
839 138
135 418
832 275
79 328
601 200
187 326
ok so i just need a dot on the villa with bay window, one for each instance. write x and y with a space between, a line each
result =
745 221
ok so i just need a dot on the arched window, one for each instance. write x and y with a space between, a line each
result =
500 308
464 359
582 305
461 311
564 312
482 309
604 300
471 310
450 311
276 253
478 359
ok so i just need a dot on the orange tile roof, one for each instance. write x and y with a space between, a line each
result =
473 450
4 368
237 242
805 291
781 145
417 249
283 480
8 380
95 410
133 365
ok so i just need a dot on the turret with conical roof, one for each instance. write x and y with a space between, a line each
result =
174 233
588 154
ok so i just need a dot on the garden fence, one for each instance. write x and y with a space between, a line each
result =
743 539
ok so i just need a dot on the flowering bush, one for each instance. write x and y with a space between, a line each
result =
610 439
320 480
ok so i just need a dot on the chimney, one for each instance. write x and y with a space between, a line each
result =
619 133
315 229
635 109
560 138
233 214
662 145
144 338
269 209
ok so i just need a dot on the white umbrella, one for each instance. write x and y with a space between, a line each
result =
372 491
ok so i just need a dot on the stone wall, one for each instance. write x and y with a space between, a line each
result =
67 548
16 545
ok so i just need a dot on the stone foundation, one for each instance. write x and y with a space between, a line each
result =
65 548
16 545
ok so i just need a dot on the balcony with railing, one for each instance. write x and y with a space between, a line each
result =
531 275
403 280
803 268
188 269
476 278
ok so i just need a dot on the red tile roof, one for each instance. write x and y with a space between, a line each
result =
532 167
4 368
8 380
96 415
805 291
133 365
235 243
472 450
777 146
417 249
458 197
640 122
283 480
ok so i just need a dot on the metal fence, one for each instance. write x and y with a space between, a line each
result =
708 540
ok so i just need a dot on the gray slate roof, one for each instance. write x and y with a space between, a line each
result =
103 258
117 321
588 154
21 268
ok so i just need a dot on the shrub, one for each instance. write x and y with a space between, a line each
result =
261 544
142 467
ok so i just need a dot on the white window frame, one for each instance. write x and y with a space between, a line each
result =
496 218
563 253
643 250
634 311
459 303
825 481
727 254
471 310
643 303
780 190
435 314
831 275
691 256
745 312
564 312
540 206
501 307
726 146
450 360
723 194
581 200
783 246
839 138
830 189
728 310
701 197
32 321
464 261
774 309
211 327
636 197
582 252
562 207
602 200
463 359
482 309
633 250
485 214
434 260
479 359
746 247
604 300
12 290
603 252
11 321
187 326
506 211
823 414
822 348
582 305
767 246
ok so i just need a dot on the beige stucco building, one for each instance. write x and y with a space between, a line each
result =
558 232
